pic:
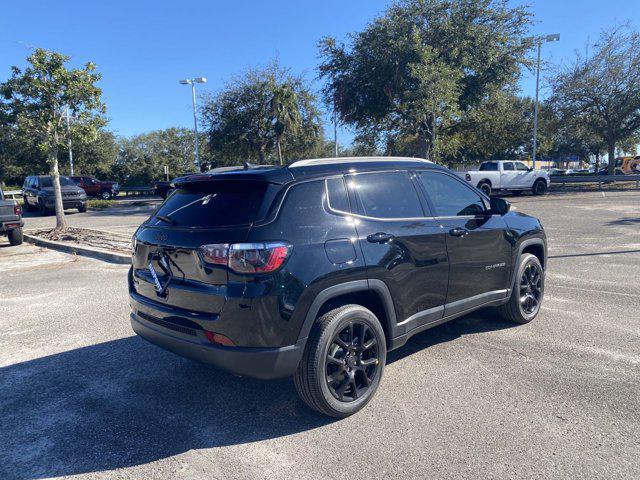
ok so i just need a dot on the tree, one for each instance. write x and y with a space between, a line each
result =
604 88
498 128
286 114
261 112
418 69
141 159
36 99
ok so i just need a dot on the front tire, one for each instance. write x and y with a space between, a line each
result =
528 292
15 236
106 195
82 208
343 361
27 205
539 187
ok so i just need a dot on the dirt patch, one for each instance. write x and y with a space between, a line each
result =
87 237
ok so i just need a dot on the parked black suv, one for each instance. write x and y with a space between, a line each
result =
37 193
316 270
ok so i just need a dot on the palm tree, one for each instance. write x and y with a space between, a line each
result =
286 114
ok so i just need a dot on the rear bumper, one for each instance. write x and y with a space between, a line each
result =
9 225
177 335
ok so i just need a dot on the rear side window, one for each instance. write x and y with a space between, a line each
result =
449 196
213 204
489 166
337 194
386 195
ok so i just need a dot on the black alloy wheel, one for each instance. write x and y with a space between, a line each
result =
352 361
530 289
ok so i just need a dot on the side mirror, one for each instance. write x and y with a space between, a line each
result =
531 169
499 206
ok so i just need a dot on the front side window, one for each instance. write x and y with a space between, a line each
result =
521 167
450 197
385 195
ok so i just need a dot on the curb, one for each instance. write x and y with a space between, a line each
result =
78 250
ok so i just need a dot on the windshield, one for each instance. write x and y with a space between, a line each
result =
212 204
46 182
491 166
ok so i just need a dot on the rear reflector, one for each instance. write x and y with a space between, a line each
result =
11 225
17 209
247 257
219 339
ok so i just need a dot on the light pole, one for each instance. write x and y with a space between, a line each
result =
192 82
554 37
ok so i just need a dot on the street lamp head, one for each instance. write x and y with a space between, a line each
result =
200 80
185 82
554 37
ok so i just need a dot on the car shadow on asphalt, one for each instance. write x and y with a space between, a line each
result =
125 402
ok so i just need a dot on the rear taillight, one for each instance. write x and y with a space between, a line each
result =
218 338
17 209
247 257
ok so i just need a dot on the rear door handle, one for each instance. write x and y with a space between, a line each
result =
380 237
458 232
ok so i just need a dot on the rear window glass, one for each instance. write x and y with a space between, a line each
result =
212 204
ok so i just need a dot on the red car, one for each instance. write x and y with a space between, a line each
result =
97 188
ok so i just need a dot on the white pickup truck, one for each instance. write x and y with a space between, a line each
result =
507 175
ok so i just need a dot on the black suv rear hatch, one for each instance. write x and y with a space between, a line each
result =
168 266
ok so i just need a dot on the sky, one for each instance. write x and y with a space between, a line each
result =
142 48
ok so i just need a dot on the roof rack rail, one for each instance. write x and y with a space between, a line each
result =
327 161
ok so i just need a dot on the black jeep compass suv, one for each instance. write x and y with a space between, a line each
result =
317 269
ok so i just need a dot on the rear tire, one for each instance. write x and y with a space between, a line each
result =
82 208
15 236
528 292
485 187
539 187
343 361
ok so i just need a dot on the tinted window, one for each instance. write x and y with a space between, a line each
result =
386 195
450 197
491 166
213 204
521 166
46 182
337 193
507 166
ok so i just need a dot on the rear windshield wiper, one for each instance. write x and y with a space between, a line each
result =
166 219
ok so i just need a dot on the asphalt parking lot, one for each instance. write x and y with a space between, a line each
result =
474 398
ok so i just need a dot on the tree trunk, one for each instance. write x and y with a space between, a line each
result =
61 222
597 165
279 151
261 154
612 157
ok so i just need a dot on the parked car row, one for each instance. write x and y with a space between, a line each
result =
37 192
11 222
